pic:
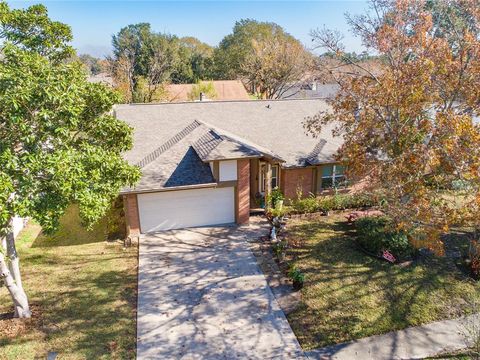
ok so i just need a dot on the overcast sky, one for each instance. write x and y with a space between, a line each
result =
94 23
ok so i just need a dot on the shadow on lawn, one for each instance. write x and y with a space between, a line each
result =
95 314
349 294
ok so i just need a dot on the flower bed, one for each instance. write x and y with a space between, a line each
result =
327 203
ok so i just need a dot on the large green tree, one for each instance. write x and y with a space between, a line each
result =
250 53
59 144
235 47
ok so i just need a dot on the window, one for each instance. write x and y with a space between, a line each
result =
263 176
333 176
274 176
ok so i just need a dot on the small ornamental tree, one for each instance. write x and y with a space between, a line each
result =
58 142
409 125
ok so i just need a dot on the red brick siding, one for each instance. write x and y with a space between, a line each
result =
243 191
131 214
293 179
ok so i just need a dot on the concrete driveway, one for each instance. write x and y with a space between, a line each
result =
201 295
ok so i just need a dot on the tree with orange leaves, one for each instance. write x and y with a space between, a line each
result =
409 125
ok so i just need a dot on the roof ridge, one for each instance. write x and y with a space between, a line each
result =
168 144
213 101
206 143
312 156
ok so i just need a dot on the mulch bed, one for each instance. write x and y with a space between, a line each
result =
11 327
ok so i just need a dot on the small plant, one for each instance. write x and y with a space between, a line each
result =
277 197
279 249
278 212
297 277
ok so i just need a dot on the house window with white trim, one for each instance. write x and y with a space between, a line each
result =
333 177
263 177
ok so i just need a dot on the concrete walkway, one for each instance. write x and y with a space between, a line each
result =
412 343
201 295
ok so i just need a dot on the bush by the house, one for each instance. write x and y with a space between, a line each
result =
376 234
332 202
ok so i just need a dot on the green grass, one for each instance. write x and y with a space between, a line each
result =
349 295
82 292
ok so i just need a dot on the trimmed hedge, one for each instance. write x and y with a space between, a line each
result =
375 234
332 202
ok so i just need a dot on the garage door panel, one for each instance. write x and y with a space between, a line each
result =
186 208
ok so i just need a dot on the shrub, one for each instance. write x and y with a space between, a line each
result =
375 234
305 206
296 275
333 202
278 212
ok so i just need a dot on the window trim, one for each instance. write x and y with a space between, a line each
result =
262 177
333 177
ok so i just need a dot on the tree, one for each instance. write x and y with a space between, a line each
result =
93 65
202 87
410 126
58 143
275 66
200 58
235 47
144 61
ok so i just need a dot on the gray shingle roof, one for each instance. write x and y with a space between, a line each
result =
214 146
271 126
183 159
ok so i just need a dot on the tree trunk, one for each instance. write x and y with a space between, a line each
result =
10 271
20 301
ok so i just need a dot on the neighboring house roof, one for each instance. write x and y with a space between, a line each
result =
225 89
174 141
101 78
311 90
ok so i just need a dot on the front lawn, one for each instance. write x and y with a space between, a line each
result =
349 295
82 292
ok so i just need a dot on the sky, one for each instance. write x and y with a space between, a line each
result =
94 22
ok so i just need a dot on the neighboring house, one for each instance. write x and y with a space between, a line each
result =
207 163
225 89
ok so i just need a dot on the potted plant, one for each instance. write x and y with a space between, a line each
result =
297 277
277 198
260 200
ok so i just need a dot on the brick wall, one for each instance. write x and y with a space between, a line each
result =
131 215
243 191
292 179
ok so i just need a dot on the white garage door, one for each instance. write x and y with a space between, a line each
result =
186 208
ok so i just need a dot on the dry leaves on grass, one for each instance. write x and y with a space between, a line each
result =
11 327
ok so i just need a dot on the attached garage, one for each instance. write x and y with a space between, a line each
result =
186 208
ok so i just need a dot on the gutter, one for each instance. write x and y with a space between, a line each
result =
173 188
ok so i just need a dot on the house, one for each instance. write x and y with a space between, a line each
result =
225 90
209 163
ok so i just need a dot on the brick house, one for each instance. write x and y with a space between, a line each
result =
210 163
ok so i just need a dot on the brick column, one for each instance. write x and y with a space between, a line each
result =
131 215
243 191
